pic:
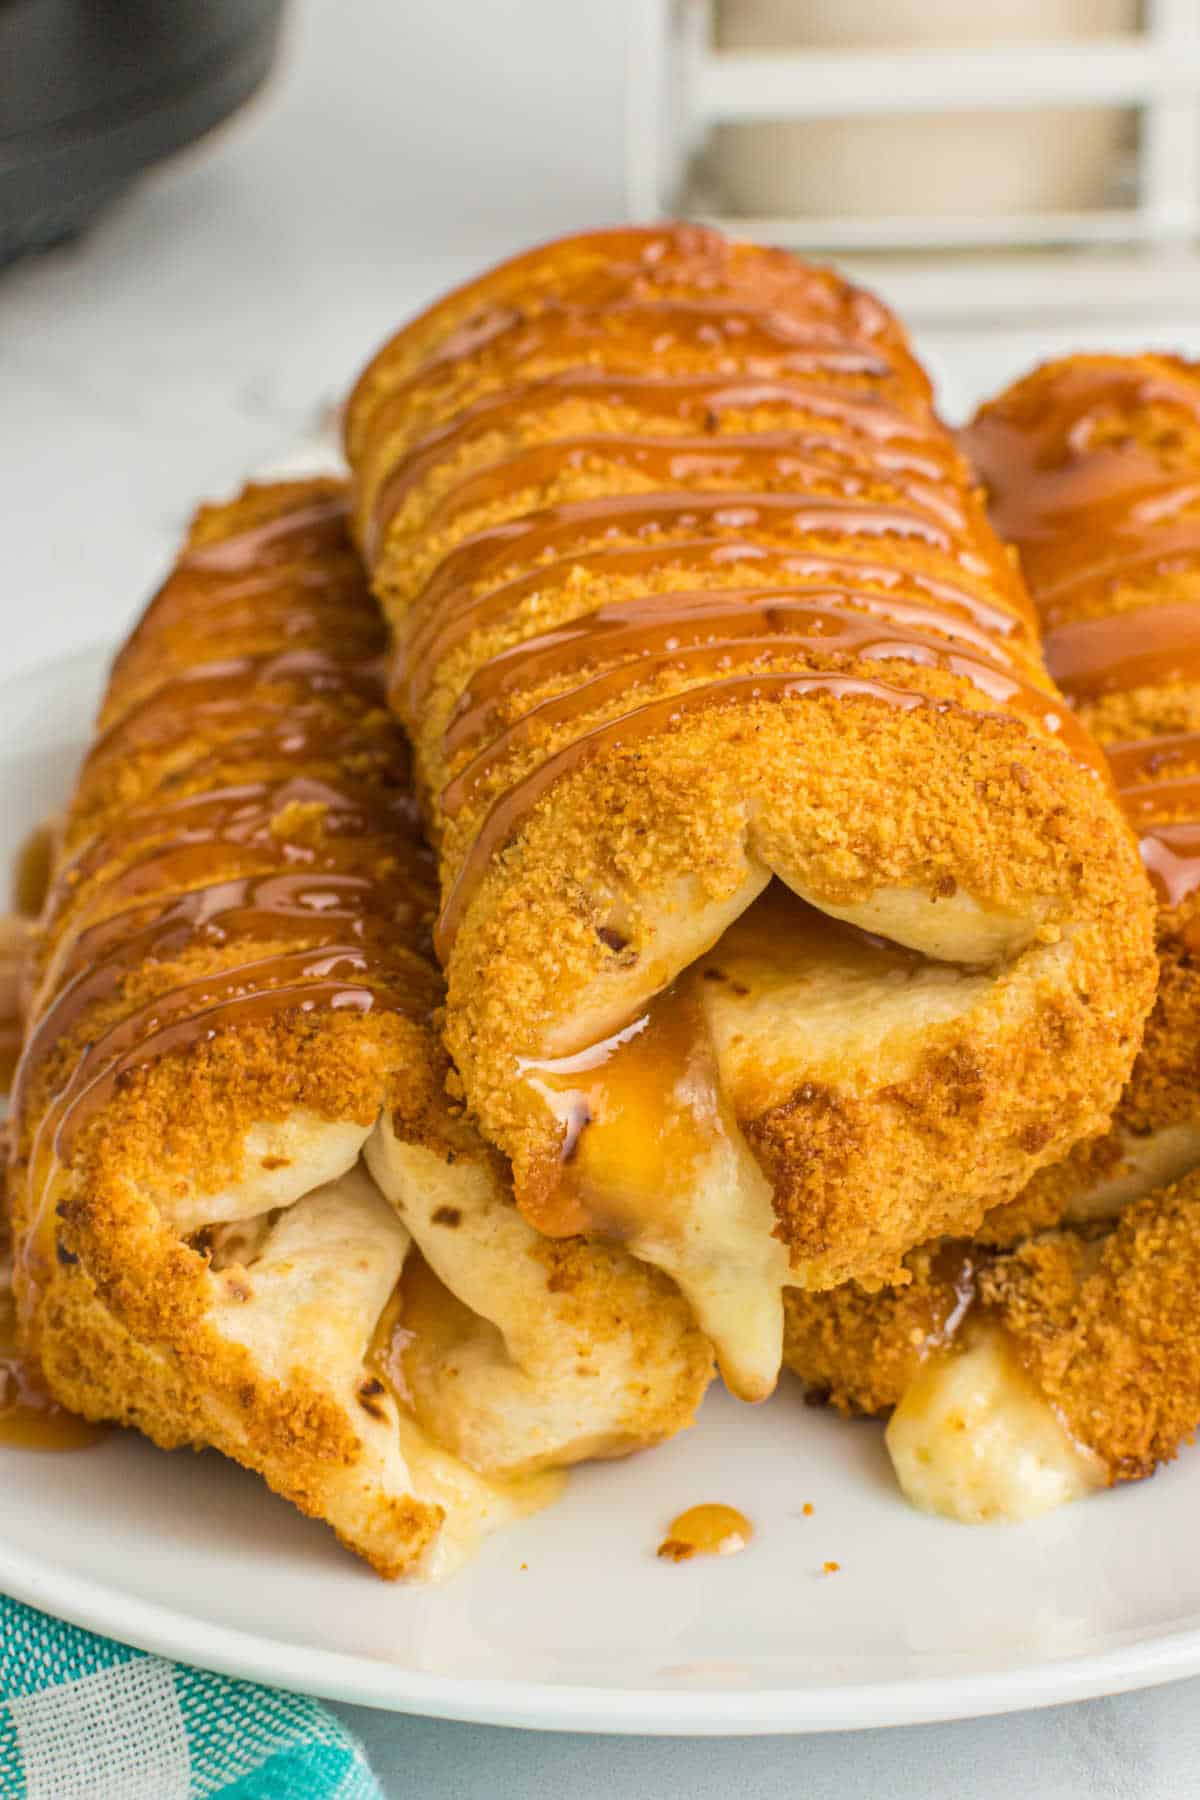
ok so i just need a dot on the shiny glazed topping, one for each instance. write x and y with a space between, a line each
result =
1089 476
248 839
481 511
31 875
14 958
653 1088
641 478
709 1530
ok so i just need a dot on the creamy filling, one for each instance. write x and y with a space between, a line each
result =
517 1369
973 1439
652 1154
658 1163
308 1306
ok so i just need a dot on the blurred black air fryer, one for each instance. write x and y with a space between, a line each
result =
92 92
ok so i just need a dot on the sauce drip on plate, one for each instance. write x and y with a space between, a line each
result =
708 1530
29 1418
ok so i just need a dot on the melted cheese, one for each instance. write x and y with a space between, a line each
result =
974 1440
517 1370
474 1506
655 1159
653 1153
308 1306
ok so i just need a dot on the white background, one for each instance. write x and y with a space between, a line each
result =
210 319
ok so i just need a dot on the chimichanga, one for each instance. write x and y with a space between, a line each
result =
1021 1378
243 1211
787 915
1073 1354
1092 467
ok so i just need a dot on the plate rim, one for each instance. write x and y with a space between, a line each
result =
1145 1660
552 1706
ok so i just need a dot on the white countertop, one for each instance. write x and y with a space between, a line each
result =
207 322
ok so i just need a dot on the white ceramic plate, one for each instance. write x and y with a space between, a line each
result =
569 1621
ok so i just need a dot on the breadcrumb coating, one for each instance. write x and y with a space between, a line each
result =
688 587
232 984
1090 465
1101 1317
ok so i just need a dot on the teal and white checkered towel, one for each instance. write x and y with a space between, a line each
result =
82 1718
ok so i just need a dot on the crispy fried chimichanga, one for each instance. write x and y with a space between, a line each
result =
1025 1369
244 1213
787 914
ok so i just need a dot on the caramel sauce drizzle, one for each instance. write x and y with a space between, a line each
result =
761 465
306 531
661 622
315 923
321 909
455 614
31 875
650 324
1176 548
254 603
742 341
29 1418
641 1078
1150 647
633 727
871 642
449 608
642 722
574 526
814 509
899 443
215 690
1059 478
193 1013
874 436
641 262
1144 759
655 1085
241 815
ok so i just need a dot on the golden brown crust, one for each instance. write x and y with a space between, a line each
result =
1091 465
125 1334
597 1310
1102 1318
653 263
622 424
1102 434
1108 1329
235 953
118 1309
859 1350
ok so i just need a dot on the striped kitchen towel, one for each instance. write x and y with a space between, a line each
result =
82 1718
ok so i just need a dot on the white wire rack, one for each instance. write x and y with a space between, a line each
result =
1141 253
